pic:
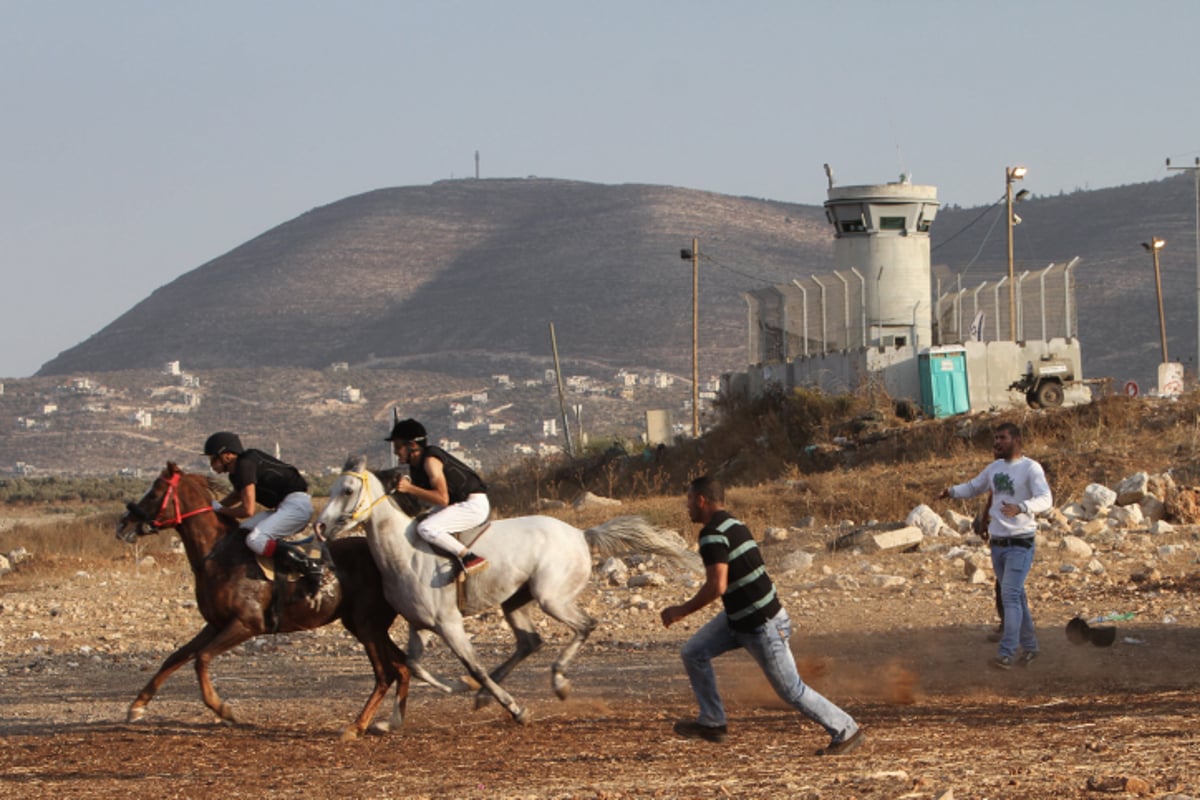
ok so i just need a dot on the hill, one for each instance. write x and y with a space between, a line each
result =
418 277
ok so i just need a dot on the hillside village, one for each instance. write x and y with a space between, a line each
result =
128 422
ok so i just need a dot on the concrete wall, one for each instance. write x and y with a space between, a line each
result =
991 369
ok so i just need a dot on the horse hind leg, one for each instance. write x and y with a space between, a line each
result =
582 625
230 637
389 665
518 613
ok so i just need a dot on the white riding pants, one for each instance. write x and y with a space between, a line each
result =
437 527
290 517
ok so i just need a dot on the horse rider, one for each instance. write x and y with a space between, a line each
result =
269 499
441 480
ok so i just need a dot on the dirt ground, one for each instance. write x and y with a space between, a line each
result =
78 640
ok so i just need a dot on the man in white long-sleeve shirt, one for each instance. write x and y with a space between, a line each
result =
1019 494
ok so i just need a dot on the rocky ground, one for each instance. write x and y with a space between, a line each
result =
897 638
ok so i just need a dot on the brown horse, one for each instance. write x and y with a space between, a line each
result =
235 598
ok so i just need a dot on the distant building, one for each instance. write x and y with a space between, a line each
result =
349 394
172 368
502 380
479 398
339 366
549 427
663 380
49 408
141 418
496 427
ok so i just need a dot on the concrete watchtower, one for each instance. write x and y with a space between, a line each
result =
883 232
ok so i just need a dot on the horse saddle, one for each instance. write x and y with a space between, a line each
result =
306 546
471 535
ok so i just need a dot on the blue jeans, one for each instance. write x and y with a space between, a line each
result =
1011 565
768 645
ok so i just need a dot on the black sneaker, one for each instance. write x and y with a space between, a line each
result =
1002 662
1026 658
472 563
694 730
847 745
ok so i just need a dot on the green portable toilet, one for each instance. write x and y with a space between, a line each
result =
943 375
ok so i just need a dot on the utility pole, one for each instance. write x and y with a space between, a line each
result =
694 255
1195 170
562 404
1011 174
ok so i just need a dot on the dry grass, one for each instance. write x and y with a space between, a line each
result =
778 457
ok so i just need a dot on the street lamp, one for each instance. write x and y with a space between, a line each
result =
1154 245
1012 174
694 255
1195 170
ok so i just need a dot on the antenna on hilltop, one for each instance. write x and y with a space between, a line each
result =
476 165
829 175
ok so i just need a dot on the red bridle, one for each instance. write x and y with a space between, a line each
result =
171 498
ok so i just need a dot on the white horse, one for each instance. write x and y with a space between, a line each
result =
534 558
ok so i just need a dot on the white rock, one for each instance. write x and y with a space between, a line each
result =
614 571
1131 490
926 519
1129 516
646 579
775 535
18 555
1096 498
1075 548
957 521
1161 526
1074 511
1095 567
796 561
888 581
587 499
5 567
900 539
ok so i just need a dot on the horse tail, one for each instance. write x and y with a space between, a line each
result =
635 534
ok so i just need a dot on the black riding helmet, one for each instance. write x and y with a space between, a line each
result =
407 430
223 442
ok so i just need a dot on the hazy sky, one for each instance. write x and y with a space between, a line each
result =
142 139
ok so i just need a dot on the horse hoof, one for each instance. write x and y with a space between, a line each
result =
523 717
562 687
349 734
379 729
135 714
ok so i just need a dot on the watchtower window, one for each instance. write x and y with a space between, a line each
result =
891 223
857 226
